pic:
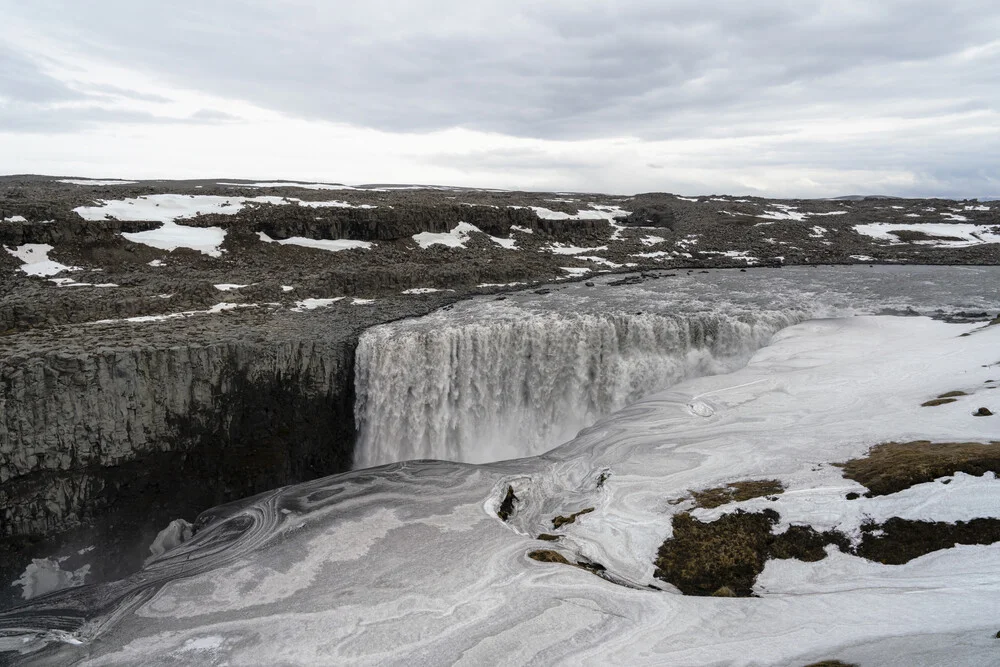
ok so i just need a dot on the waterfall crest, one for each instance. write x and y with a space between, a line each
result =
489 390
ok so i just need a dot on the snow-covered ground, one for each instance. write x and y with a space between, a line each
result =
35 258
291 184
410 563
949 235
333 245
567 249
217 308
458 236
786 212
91 181
168 209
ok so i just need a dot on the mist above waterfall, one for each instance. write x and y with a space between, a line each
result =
493 390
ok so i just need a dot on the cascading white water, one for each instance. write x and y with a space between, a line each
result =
478 391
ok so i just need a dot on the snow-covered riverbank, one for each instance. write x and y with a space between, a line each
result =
410 562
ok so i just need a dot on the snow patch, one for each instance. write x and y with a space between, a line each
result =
960 235
567 249
331 245
290 184
424 290
88 181
313 304
456 238
36 259
69 282
217 308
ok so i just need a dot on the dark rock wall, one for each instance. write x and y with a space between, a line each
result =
105 449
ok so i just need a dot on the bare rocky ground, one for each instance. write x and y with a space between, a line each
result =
109 429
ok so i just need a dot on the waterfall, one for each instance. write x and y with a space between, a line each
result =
489 390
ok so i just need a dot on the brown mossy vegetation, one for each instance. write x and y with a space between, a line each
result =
546 537
831 663
736 492
933 403
899 541
943 399
560 521
894 466
725 556
548 556
936 402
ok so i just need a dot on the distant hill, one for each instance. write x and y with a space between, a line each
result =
863 197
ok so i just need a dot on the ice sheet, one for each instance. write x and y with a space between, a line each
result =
408 564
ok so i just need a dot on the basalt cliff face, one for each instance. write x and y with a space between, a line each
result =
105 437
252 416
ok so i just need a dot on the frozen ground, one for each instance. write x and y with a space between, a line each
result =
940 235
410 564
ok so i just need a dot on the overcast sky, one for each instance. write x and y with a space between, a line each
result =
769 97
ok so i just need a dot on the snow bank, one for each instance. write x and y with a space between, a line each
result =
291 184
567 249
332 245
313 304
36 259
956 235
217 308
456 238
88 181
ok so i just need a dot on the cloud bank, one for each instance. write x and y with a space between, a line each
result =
806 98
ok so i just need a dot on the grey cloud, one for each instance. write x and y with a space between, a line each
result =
34 119
212 116
555 69
22 79
94 90
749 75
